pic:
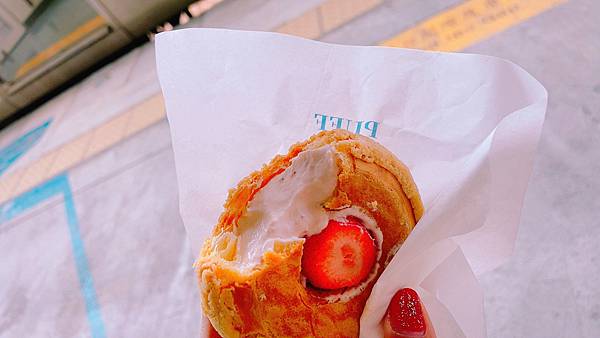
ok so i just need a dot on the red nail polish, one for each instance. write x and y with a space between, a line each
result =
405 315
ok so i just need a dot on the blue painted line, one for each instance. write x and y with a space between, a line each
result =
31 198
83 270
55 186
12 152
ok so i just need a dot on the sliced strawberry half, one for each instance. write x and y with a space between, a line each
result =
342 255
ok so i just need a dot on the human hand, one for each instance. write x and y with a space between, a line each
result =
406 317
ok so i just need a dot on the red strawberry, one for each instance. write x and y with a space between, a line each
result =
341 255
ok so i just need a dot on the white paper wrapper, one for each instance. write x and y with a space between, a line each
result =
466 125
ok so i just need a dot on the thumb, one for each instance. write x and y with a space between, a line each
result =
406 317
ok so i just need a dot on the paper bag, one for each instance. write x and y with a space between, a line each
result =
466 125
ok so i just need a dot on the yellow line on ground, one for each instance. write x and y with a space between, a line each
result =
326 17
469 23
83 147
66 41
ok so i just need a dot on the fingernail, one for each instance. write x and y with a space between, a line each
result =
405 314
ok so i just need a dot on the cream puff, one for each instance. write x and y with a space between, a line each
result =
301 241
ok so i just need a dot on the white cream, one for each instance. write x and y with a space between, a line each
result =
289 207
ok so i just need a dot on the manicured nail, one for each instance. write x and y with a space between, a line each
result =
405 315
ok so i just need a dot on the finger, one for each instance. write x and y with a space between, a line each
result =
406 317
213 333
207 330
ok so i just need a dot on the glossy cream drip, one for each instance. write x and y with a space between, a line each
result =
289 207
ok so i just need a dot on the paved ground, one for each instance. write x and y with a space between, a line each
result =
105 254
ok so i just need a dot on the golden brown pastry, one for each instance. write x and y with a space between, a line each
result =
345 199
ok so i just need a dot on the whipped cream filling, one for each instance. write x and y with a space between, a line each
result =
288 207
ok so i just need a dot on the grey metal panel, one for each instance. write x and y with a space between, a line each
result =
20 9
6 108
11 30
109 17
68 69
138 18
59 59
127 18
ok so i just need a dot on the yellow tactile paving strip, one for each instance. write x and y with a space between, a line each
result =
307 25
83 147
468 23
326 17
8 183
451 30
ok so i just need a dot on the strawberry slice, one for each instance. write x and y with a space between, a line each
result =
342 255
